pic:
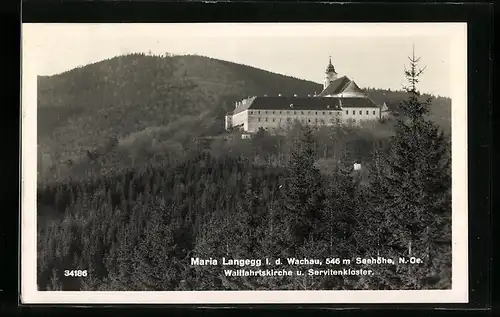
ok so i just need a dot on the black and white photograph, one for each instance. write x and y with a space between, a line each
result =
244 163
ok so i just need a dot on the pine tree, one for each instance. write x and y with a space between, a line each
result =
55 282
249 217
415 180
340 209
304 195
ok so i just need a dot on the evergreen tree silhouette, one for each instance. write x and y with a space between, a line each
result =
304 195
414 181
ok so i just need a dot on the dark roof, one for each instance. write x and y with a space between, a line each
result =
246 105
291 103
305 103
357 102
330 68
335 86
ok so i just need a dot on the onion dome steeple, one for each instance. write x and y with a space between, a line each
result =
330 68
330 74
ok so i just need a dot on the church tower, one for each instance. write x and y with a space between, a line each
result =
330 74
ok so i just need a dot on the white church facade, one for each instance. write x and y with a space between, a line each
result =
340 102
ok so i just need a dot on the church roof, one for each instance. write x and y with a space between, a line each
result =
304 103
352 87
336 86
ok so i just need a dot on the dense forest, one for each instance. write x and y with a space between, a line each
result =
291 195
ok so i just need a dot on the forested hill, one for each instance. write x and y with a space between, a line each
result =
440 109
166 100
181 96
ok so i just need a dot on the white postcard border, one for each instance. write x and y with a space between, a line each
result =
458 66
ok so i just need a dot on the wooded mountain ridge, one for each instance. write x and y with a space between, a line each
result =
166 100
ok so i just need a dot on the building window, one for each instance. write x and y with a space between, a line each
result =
265 112
360 112
331 113
302 112
308 120
367 112
273 119
373 112
323 113
316 119
353 120
347 112
280 112
316 113
250 112
295 112
258 112
258 119
273 112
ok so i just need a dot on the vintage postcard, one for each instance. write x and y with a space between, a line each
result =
244 163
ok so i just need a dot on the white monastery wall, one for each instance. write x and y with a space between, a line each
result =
272 119
241 118
360 114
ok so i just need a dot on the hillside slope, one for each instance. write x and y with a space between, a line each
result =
82 108
160 100
440 109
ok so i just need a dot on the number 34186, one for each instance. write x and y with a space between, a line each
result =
75 273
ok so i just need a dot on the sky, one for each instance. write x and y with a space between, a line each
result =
374 55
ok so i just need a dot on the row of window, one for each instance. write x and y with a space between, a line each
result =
301 120
360 112
337 120
309 112
290 112
321 121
